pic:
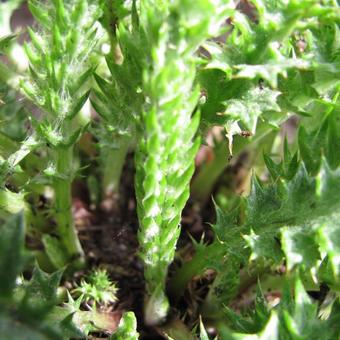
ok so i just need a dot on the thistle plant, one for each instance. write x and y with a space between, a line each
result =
119 101
270 65
58 57
269 266
292 217
168 125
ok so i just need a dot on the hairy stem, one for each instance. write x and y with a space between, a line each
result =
63 203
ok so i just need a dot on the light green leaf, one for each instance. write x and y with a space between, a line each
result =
300 246
264 246
270 71
270 332
5 41
41 291
55 251
251 105
127 328
203 332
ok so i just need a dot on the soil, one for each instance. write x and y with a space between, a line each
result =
108 233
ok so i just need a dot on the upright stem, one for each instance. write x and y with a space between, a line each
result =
202 185
113 162
63 203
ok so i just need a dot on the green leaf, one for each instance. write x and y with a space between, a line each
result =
41 291
203 333
300 247
301 320
69 329
301 207
311 146
5 41
294 318
257 319
55 251
12 329
329 242
11 253
333 142
225 285
74 137
251 105
78 105
270 331
239 323
80 82
100 109
39 12
12 203
334 317
274 169
271 70
104 86
226 227
127 328
265 246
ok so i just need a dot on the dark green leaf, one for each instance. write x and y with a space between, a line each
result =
55 251
11 253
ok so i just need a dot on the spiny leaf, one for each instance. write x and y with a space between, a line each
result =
297 215
69 329
300 247
42 288
203 332
265 246
270 71
294 318
5 41
247 109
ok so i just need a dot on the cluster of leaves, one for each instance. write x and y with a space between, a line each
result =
277 59
29 307
279 49
56 85
98 289
119 99
296 317
293 218
25 306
